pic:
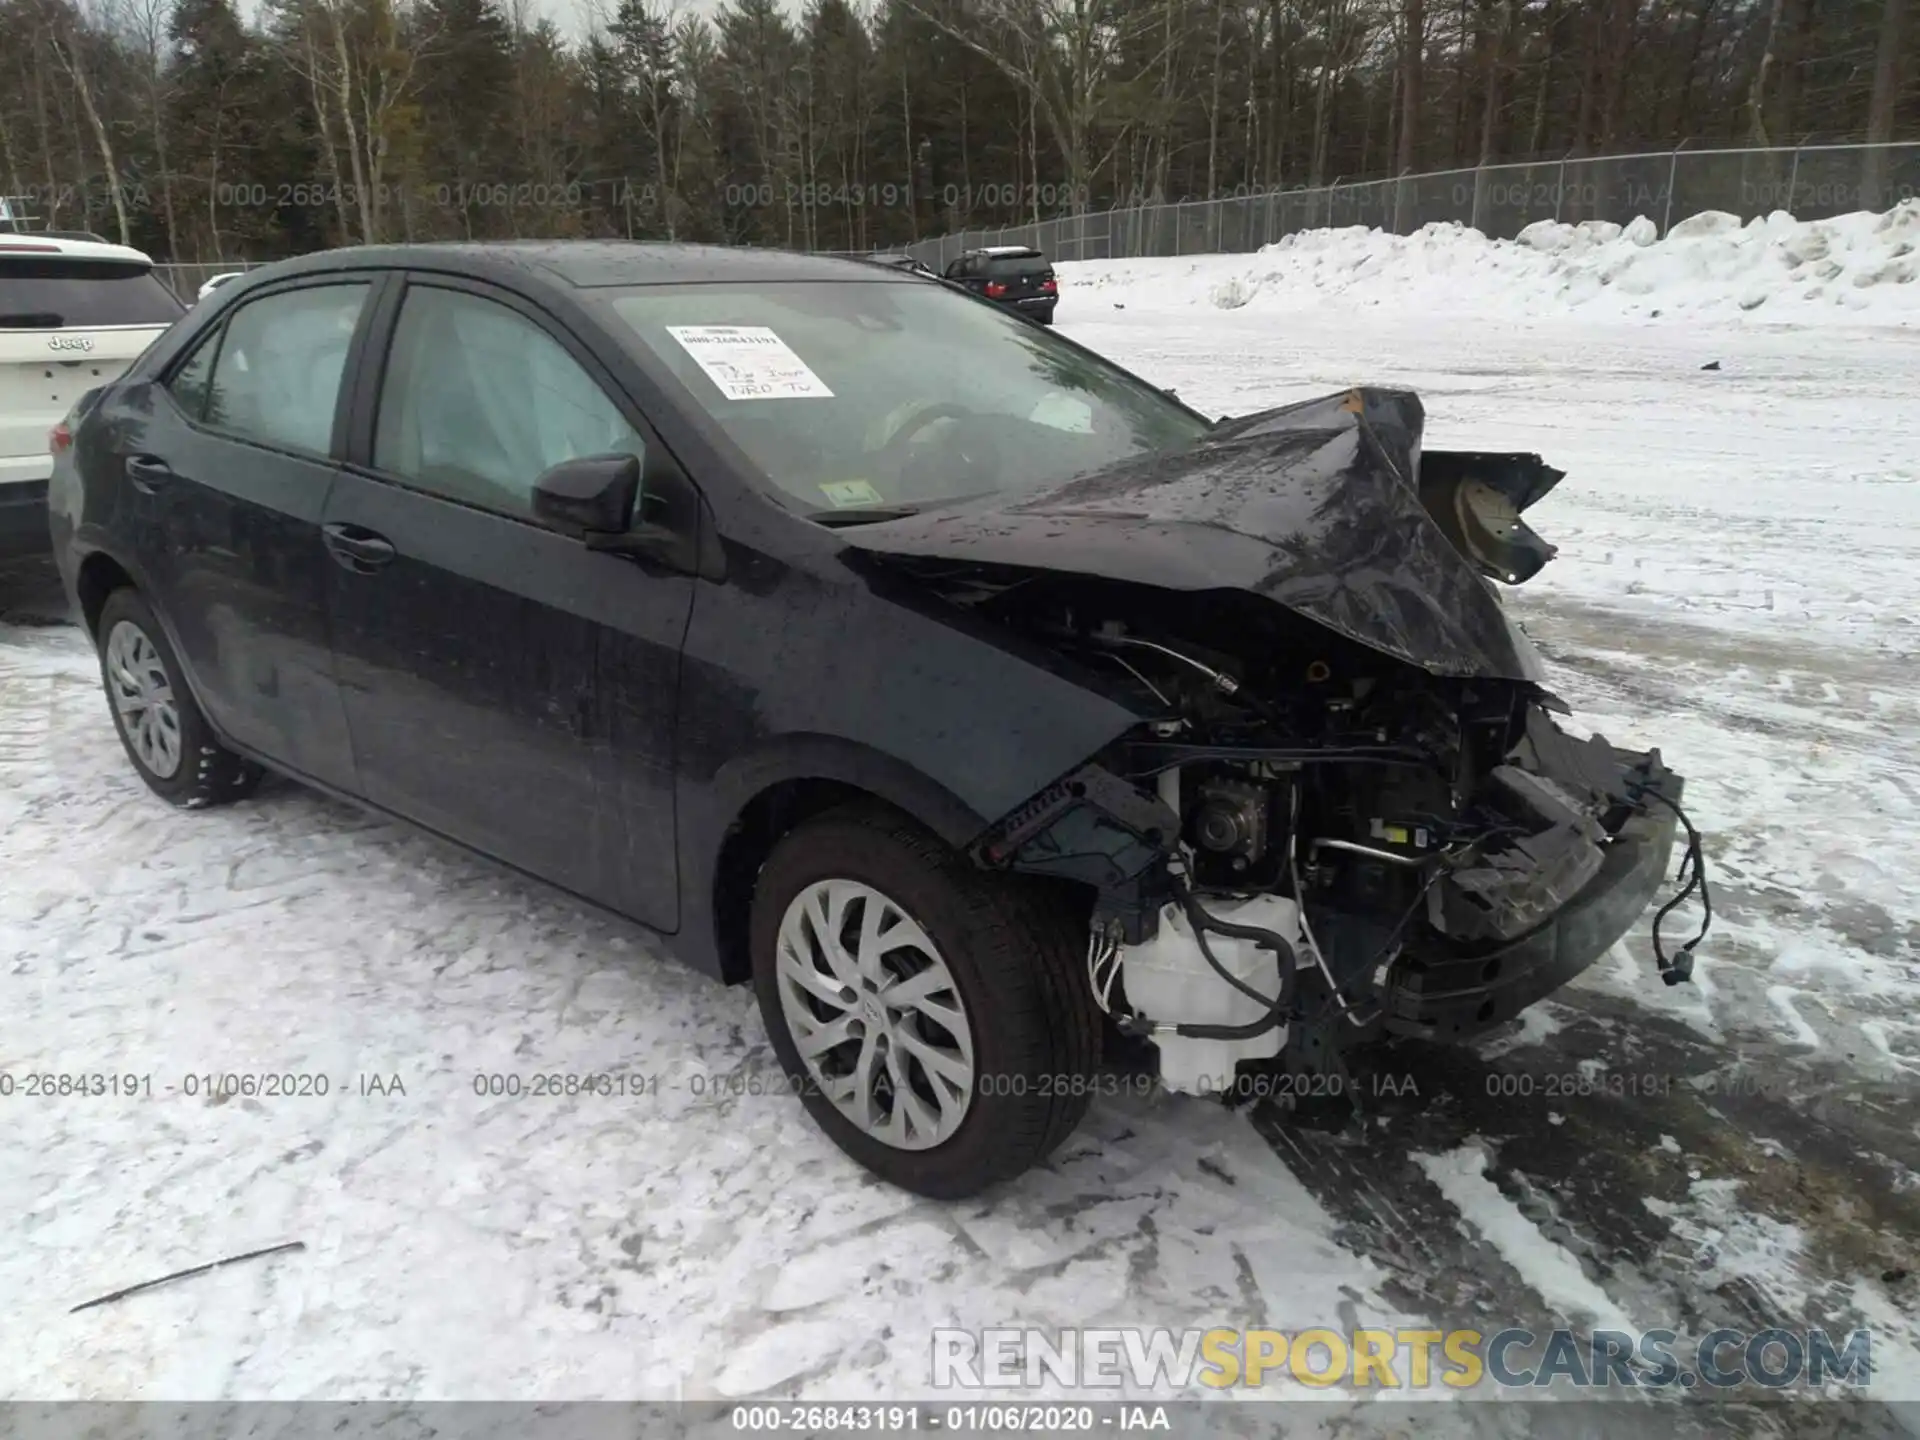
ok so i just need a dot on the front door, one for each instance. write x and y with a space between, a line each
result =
490 666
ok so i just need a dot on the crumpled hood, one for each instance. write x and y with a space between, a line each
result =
1316 506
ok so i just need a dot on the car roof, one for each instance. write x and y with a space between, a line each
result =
1001 250
591 264
32 244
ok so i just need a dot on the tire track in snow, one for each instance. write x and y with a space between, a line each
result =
1672 1203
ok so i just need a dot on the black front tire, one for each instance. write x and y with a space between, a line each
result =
1016 952
208 773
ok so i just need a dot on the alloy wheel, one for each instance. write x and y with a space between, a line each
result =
875 1014
143 698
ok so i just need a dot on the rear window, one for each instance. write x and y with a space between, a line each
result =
1003 266
53 293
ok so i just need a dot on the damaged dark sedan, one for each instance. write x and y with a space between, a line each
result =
986 707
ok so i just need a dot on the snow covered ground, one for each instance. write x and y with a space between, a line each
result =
1739 584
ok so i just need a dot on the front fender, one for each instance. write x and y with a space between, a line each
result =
715 887
789 676
785 758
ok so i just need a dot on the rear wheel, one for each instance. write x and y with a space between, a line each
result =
930 1015
165 735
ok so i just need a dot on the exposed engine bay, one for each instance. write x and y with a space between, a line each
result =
1351 837
1346 809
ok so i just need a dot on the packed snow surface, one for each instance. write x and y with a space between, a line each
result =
1552 1272
1849 269
1738 583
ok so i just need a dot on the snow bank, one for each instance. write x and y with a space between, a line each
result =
1859 269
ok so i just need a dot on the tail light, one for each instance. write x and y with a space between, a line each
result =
1050 286
60 438
995 289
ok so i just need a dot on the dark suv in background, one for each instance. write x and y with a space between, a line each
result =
1016 276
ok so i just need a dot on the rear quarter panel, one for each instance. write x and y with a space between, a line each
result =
87 496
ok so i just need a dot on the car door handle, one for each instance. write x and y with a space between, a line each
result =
148 472
358 548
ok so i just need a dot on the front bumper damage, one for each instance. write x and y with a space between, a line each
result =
1105 830
1345 799
1439 998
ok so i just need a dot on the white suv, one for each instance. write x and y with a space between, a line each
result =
73 315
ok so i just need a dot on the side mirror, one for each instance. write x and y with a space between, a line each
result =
593 495
656 517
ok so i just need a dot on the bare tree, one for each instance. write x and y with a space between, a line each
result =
67 41
38 74
361 75
1880 106
1213 99
1345 32
658 81
103 102
1496 55
149 22
1622 29
1065 55
321 89
1757 92
10 158
1413 42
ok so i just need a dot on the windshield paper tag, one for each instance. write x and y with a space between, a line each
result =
749 362
850 492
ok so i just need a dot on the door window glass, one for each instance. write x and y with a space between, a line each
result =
193 380
479 402
277 376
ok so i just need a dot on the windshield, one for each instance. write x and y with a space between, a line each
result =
57 294
877 395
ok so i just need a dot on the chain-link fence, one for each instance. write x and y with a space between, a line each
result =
1813 182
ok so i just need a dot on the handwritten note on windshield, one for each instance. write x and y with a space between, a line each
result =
749 362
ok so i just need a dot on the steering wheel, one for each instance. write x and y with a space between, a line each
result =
972 462
914 424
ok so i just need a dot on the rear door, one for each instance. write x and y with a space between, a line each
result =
222 468
505 686
67 324
966 272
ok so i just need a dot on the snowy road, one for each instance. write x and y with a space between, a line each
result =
1739 584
